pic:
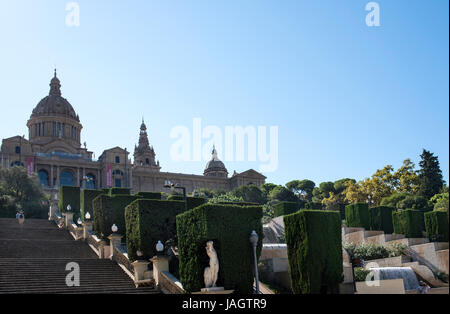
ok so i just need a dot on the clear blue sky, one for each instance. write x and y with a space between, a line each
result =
348 99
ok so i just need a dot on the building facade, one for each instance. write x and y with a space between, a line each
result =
54 152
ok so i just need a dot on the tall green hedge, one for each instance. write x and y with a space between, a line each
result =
70 195
86 198
408 222
229 226
149 221
437 225
150 195
109 210
119 191
357 215
314 248
285 208
192 202
381 219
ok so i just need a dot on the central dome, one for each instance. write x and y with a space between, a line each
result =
54 104
215 167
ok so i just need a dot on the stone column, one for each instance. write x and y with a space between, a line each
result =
115 240
78 177
51 177
57 177
97 181
160 264
84 181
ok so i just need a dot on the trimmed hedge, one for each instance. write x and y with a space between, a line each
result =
314 248
285 208
119 191
357 215
148 221
70 195
86 198
436 225
408 222
381 219
229 226
192 202
150 195
109 210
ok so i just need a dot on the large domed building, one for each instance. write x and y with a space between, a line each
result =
54 151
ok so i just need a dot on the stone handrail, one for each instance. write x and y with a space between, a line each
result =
120 257
169 284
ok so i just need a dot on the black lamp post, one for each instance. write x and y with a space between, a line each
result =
169 184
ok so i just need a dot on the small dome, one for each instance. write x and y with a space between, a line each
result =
215 167
54 104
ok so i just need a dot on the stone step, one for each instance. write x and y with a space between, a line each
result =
409 241
383 238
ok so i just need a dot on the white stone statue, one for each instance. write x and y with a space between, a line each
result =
212 271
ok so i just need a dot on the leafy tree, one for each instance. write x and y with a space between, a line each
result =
266 188
19 191
406 179
282 194
341 185
415 202
394 199
440 201
430 175
302 188
250 193
373 190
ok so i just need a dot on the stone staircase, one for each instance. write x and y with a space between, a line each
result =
33 259
422 256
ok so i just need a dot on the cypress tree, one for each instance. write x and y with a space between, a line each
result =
430 175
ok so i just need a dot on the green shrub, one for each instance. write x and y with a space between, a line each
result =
119 191
70 195
229 226
149 221
381 219
408 222
86 198
436 224
109 210
285 208
314 248
371 251
192 202
357 215
150 195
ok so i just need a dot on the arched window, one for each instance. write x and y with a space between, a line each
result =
17 163
90 182
43 178
117 160
17 149
147 161
66 179
118 183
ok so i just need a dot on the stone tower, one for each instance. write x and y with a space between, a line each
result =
144 154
